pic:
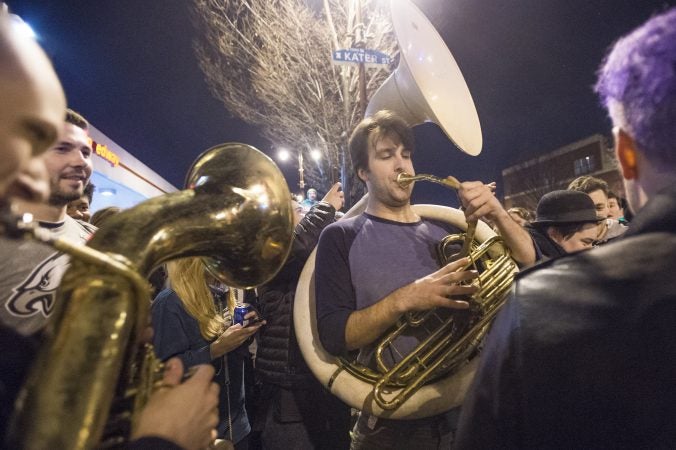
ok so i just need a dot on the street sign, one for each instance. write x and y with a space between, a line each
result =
370 58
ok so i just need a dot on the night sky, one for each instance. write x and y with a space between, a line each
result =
129 68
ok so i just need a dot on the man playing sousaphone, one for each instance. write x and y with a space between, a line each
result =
373 268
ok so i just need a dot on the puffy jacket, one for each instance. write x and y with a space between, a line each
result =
278 358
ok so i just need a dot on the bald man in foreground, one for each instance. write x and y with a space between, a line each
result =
31 113
32 110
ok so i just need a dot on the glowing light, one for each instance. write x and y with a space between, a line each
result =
256 193
257 189
219 216
315 154
108 192
283 154
22 27
201 180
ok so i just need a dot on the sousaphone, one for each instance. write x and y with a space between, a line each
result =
94 373
426 86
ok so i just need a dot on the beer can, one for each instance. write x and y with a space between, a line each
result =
241 310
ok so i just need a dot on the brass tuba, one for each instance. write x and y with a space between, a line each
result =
94 373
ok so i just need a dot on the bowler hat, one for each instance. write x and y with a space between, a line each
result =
565 207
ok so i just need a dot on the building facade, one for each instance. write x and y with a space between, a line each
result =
121 180
526 182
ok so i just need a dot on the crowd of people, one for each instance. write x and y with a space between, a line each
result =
582 355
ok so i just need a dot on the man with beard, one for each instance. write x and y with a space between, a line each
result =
31 272
31 113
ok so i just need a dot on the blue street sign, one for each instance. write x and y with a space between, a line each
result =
370 58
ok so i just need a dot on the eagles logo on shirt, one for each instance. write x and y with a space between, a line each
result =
37 293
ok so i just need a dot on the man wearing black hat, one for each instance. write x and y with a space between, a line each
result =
565 223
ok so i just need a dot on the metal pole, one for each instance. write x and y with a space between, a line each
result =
301 183
361 42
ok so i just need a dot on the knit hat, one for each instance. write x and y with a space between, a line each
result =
565 207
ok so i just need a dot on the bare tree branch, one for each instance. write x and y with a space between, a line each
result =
537 181
270 62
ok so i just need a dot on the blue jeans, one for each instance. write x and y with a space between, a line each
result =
430 433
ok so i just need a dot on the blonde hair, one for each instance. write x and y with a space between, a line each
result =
188 279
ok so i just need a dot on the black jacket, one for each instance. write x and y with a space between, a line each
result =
278 358
548 248
584 353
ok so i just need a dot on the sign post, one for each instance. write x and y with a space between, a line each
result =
354 56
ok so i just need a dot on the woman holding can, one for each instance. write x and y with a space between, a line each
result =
193 321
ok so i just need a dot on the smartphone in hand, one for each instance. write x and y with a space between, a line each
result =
254 321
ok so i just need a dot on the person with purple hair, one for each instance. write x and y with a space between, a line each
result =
583 355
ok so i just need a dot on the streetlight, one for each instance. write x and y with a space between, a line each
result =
284 155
